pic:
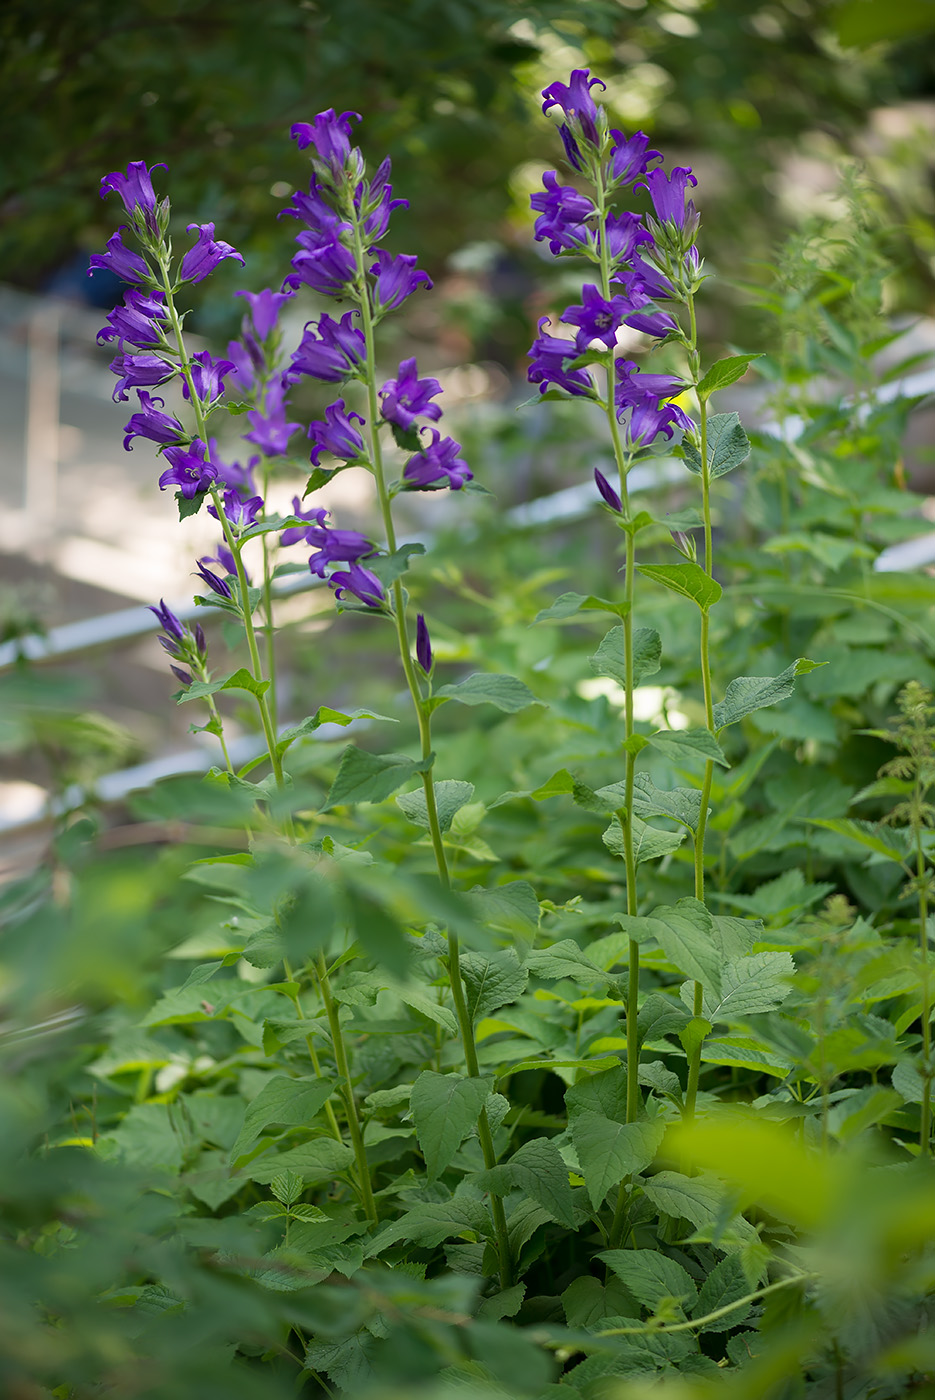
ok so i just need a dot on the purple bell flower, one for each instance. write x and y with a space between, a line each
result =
295 533
626 233
168 619
264 311
138 321
336 547
323 263
239 513
217 585
360 582
138 372
423 645
407 397
548 354
668 192
576 102
189 470
201 644
136 190
330 135
632 386
208 377
608 492
127 265
336 434
243 374
232 474
338 350
397 278
437 462
225 558
204 256
562 214
631 158
647 422
596 318
271 432
152 424
313 208
374 203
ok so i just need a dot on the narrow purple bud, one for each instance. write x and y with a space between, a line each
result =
184 676
608 492
423 645
201 644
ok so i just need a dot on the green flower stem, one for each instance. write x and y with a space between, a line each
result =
347 1090
272 693
465 1023
694 1063
623 460
313 1056
725 1311
925 1127
232 544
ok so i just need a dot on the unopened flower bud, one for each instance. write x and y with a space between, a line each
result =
608 492
423 645
685 544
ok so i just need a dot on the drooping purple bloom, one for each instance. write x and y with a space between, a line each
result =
647 421
562 214
423 645
271 432
576 101
596 319
548 354
437 462
153 424
336 434
265 307
630 157
184 676
189 471
373 201
135 189
139 372
338 350
397 278
295 533
122 262
330 135
243 374
225 558
204 256
240 513
208 377
607 491
232 474
572 153
313 208
632 386
217 585
322 263
360 582
336 547
407 397
649 320
668 192
168 619
626 233
138 321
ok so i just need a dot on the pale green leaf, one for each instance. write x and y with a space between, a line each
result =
450 796
445 1108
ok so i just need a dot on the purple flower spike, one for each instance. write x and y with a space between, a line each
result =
184 676
668 192
576 101
299 532
423 645
265 307
168 619
336 434
271 432
136 190
208 377
204 256
138 321
360 582
397 278
138 372
608 492
407 397
151 423
217 585
626 233
337 351
631 158
548 354
189 470
330 135
596 319
128 266
562 214
436 463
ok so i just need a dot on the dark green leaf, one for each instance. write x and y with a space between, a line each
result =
283 1101
689 580
607 1151
749 693
728 446
484 688
370 777
445 1108
610 657
723 373
651 1276
450 796
679 744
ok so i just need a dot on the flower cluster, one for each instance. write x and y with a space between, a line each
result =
345 548
187 646
642 264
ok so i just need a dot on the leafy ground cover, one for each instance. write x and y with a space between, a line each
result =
566 1032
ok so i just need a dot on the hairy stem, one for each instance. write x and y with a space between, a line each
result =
347 1090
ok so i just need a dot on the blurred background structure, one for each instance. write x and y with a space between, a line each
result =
769 103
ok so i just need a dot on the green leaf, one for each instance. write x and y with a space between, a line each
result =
319 1160
568 604
368 777
603 1092
685 932
681 804
705 1202
430 1223
749 693
324 715
881 839
492 982
608 1151
610 657
287 1187
728 446
563 959
484 688
445 1108
510 908
192 506
751 985
694 1034
649 843
725 1284
283 1101
664 1081
679 744
722 374
539 1170
689 580
240 680
651 1276
389 567
450 796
